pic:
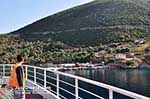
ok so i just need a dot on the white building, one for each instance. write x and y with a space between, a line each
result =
120 56
127 56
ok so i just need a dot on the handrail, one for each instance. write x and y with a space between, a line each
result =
111 89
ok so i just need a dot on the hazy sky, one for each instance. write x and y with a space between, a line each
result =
15 14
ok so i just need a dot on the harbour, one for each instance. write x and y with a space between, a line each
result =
136 80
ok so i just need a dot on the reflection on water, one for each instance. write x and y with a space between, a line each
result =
134 80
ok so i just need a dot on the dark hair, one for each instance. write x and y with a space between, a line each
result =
19 58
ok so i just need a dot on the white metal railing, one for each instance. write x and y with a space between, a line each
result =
44 78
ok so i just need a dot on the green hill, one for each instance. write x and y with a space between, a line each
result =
100 21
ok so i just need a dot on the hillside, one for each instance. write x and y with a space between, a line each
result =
39 52
100 21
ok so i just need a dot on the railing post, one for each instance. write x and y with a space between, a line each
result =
45 78
11 67
34 75
57 84
76 88
26 68
110 94
3 71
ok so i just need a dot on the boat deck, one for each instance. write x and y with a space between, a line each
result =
30 93
58 85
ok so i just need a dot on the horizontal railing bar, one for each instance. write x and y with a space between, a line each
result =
50 77
91 93
51 84
53 91
66 83
7 69
7 72
5 64
30 71
62 96
30 75
59 94
39 73
66 91
39 83
34 67
6 77
40 79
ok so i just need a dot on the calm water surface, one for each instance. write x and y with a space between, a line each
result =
136 80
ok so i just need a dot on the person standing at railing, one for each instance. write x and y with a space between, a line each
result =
17 79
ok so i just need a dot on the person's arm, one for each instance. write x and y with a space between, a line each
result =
19 73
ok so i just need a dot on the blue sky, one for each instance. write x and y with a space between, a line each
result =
15 14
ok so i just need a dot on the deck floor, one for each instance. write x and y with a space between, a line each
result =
31 94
